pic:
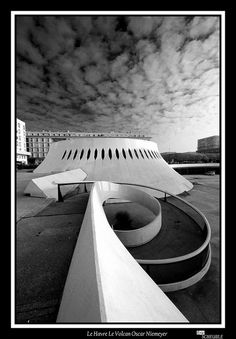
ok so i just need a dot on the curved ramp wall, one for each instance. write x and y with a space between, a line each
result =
115 159
142 235
171 273
104 282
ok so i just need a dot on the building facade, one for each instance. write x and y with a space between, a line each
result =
209 145
21 150
38 143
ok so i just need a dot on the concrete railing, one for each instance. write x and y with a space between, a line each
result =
105 283
179 272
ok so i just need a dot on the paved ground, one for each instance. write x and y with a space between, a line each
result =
46 238
201 302
44 249
24 205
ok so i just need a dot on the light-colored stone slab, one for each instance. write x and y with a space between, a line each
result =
46 186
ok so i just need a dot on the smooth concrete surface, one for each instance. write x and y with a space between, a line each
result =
151 171
104 282
46 186
199 303
141 235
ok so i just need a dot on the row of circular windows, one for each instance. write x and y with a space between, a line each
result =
148 153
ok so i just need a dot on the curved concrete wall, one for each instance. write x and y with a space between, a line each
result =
140 236
104 282
115 159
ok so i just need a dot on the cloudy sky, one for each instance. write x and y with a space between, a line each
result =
158 75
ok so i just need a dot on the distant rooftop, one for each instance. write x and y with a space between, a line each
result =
88 134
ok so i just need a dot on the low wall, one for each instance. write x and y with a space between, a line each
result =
142 235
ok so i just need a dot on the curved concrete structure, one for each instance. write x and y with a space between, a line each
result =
115 159
104 282
192 266
176 272
140 236
46 186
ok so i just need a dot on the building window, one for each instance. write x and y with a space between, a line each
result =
95 154
110 153
81 154
130 153
136 153
75 154
88 154
117 153
146 154
103 154
141 153
150 154
69 154
123 152
63 155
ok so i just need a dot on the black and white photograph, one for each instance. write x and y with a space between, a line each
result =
118 147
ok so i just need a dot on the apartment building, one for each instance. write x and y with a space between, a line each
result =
209 144
21 150
39 142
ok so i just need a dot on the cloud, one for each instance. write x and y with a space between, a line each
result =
146 73
203 26
143 26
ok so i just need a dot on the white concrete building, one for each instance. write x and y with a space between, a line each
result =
21 152
115 159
